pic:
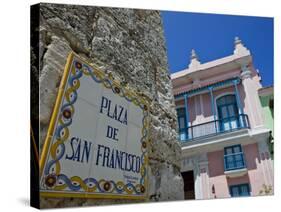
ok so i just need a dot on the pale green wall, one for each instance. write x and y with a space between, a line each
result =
267 112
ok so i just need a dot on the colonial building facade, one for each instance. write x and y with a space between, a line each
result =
221 127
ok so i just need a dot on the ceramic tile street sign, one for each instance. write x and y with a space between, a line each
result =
97 139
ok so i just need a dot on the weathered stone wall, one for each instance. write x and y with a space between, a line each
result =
129 44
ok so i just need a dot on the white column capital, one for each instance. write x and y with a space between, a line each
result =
246 73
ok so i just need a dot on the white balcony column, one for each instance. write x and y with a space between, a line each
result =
250 85
251 97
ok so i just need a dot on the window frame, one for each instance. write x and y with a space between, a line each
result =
182 129
229 118
233 154
239 186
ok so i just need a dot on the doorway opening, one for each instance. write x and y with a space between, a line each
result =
188 179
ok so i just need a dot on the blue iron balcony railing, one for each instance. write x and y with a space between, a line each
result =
234 161
213 128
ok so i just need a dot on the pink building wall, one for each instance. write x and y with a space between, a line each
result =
248 91
197 116
221 182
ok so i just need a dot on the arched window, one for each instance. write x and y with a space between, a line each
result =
182 124
227 112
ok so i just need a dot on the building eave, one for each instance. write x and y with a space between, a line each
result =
266 91
205 88
202 68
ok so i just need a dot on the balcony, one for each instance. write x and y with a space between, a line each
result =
213 128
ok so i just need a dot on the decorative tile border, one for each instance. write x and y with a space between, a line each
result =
53 182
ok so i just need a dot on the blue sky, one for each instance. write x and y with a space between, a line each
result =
212 37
